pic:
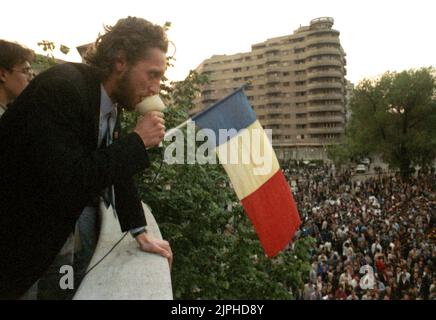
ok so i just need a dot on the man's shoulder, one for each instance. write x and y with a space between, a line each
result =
71 71
77 77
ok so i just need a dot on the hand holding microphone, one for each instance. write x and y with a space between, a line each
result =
150 127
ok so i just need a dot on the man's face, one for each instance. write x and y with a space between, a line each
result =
140 80
16 79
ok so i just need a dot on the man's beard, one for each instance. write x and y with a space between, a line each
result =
123 93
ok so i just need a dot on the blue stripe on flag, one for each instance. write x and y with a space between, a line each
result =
232 112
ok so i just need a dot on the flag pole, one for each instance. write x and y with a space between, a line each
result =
171 131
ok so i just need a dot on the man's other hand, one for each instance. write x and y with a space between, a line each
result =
149 244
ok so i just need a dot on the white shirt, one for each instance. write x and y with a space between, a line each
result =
106 107
2 109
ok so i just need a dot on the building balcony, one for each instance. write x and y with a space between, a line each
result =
325 85
272 69
299 120
270 121
314 51
322 119
272 58
324 73
260 81
298 56
273 79
307 142
272 50
325 130
327 107
276 132
300 77
276 100
324 63
321 40
325 96
127 273
298 99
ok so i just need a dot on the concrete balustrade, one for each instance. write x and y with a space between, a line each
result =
127 273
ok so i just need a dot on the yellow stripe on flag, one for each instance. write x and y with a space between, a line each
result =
248 159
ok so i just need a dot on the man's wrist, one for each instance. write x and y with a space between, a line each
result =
137 231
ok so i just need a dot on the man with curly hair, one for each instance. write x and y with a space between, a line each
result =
52 164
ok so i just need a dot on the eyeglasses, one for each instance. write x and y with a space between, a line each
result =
28 71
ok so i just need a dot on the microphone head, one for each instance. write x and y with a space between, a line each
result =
152 103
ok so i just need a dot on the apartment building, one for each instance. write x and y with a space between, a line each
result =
297 87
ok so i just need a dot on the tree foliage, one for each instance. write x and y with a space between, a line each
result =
395 117
43 62
217 254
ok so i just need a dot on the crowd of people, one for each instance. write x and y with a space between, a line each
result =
375 238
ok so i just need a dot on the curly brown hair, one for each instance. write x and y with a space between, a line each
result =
12 53
133 36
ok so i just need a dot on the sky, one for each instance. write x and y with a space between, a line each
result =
377 35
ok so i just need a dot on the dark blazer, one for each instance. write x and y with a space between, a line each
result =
50 169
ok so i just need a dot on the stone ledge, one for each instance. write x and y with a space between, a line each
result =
126 273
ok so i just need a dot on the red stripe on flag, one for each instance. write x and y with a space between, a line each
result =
273 212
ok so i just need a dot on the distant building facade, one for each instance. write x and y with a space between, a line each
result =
297 87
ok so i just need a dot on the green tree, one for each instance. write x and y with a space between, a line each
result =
217 253
395 117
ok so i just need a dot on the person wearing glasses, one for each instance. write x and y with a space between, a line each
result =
15 71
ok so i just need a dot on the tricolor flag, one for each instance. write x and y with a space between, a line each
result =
263 191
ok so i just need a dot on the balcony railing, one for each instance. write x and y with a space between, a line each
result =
324 63
325 107
325 96
325 85
323 119
126 273
324 73
326 130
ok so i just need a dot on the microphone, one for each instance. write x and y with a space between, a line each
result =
151 103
